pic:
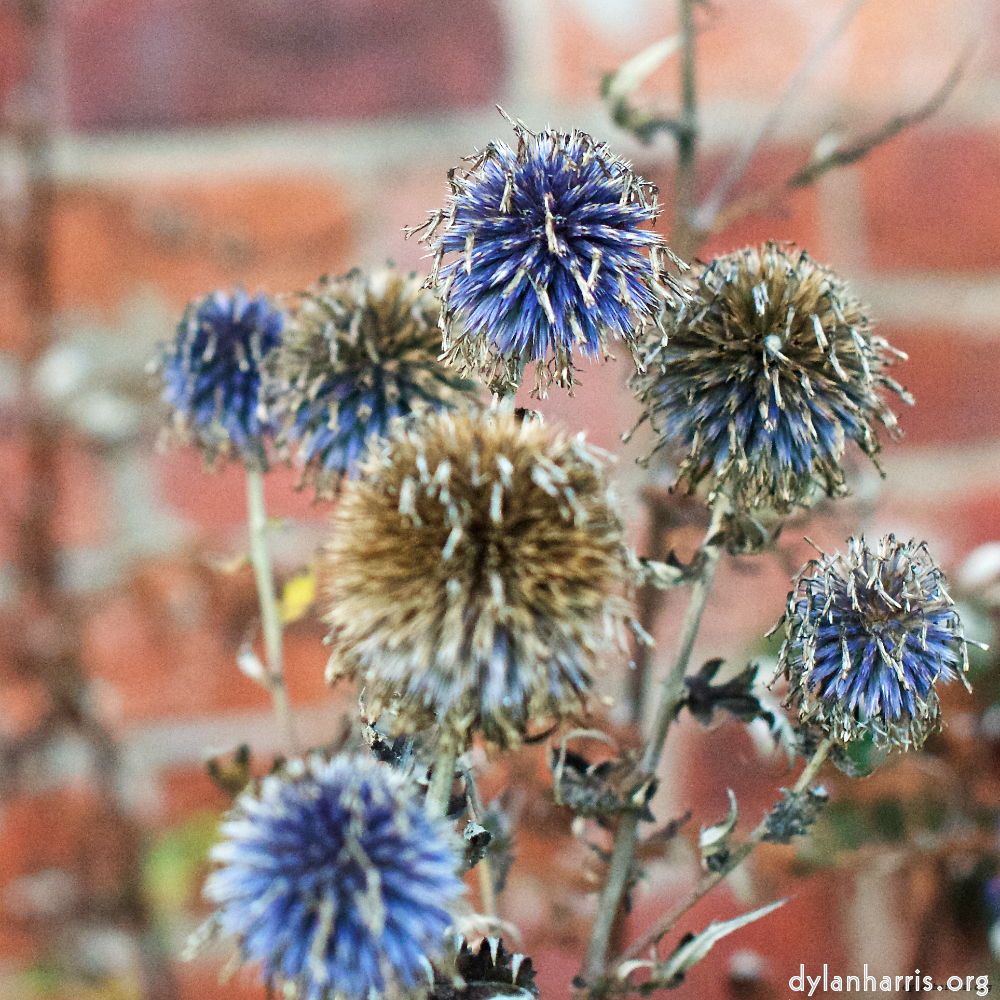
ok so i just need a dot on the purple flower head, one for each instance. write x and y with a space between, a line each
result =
546 253
868 635
336 880
212 374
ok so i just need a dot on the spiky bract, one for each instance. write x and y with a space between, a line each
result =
358 350
868 634
475 570
763 376
547 255
335 879
489 973
212 375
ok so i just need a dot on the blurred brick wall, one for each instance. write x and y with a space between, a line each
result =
204 144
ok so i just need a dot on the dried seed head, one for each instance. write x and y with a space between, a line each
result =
475 570
211 374
868 634
358 351
546 255
336 880
764 376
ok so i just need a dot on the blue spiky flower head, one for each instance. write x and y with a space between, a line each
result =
211 374
762 378
546 253
476 570
358 351
868 635
334 878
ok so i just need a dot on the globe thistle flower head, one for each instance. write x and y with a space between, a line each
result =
868 635
546 255
475 570
764 376
335 880
212 375
359 350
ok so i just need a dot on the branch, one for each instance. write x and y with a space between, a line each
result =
703 218
844 155
712 878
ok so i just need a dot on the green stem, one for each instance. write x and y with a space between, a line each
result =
710 880
671 701
684 238
439 790
674 691
607 909
269 617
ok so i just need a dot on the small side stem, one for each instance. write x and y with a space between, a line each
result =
269 617
670 705
439 790
709 881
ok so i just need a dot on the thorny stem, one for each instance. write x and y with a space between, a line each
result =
269 617
711 879
669 707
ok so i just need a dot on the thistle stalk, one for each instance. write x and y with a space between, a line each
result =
711 879
439 790
269 617
672 698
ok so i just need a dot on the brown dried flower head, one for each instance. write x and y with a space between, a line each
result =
475 571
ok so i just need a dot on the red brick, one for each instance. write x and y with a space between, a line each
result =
586 47
279 234
23 703
177 63
217 500
900 51
166 651
83 497
168 645
187 791
67 830
771 214
953 377
952 525
932 200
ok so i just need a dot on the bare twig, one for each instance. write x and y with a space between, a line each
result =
669 706
852 152
704 216
846 154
